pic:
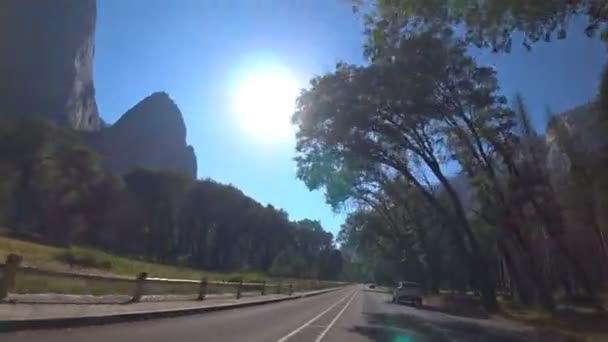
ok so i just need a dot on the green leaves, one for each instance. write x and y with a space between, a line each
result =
389 116
52 174
487 24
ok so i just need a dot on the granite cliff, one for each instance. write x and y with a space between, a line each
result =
46 71
584 129
46 64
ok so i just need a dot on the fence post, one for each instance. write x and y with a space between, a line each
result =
263 287
202 289
238 289
139 287
290 289
7 281
279 288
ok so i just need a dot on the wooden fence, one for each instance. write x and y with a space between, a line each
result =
12 267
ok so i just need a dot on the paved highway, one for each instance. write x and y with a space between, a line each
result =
352 314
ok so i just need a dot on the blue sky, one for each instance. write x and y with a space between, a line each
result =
197 50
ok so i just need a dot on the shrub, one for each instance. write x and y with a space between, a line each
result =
84 258
235 279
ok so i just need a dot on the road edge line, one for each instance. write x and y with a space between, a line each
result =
72 322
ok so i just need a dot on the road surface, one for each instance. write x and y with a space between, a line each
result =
352 314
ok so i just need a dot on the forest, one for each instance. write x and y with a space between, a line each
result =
445 180
53 189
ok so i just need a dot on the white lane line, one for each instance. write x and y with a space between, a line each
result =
286 337
320 337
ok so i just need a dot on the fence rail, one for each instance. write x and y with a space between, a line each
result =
12 267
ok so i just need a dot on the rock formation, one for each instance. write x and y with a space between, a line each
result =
46 63
585 133
46 70
151 135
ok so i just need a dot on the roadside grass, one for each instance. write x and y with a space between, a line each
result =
578 323
463 305
585 326
63 285
93 261
42 284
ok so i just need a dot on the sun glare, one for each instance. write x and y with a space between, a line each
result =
264 102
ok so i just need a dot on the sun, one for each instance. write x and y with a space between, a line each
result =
264 100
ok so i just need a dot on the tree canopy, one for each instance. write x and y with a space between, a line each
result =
423 122
491 24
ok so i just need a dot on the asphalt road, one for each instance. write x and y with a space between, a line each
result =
352 314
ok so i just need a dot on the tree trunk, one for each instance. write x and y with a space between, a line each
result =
579 271
557 236
517 282
22 196
474 259
481 274
597 230
586 206
544 292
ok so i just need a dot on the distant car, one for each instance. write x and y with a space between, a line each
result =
372 286
408 291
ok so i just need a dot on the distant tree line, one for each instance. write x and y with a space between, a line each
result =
54 189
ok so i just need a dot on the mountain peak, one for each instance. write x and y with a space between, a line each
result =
152 135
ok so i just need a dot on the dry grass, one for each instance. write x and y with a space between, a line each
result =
591 327
581 325
94 261
54 258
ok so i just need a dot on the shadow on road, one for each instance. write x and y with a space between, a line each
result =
377 290
412 328
454 309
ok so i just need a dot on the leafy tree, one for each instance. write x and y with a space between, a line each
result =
491 23
390 119
50 173
159 195
25 148
330 264
289 264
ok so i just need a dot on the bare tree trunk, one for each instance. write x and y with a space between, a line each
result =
22 196
557 236
522 291
595 226
484 283
579 271
474 258
544 291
